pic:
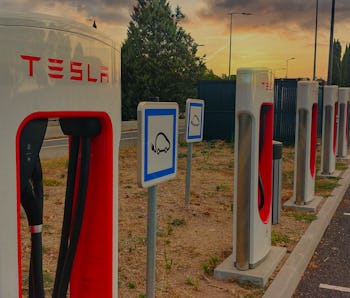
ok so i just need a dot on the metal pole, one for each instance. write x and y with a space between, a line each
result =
315 50
330 57
287 68
151 241
188 173
229 57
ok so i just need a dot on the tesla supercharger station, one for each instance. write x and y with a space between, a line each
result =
305 142
329 130
343 122
56 68
253 167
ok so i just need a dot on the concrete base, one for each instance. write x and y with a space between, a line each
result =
343 158
335 174
310 206
257 276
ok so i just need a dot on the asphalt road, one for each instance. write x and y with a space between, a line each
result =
328 273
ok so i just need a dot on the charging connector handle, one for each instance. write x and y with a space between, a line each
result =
31 140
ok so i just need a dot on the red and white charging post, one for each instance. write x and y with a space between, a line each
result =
329 130
305 146
54 68
253 167
343 122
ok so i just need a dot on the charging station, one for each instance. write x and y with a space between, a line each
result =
253 258
305 142
343 122
55 68
253 166
329 130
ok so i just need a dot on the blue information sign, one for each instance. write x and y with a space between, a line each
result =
157 148
194 120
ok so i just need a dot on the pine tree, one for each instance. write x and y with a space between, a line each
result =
336 71
158 57
345 65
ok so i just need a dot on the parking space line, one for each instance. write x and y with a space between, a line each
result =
347 213
335 288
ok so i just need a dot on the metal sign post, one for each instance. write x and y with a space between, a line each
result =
157 162
151 241
194 133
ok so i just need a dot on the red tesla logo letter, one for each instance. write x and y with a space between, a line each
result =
30 59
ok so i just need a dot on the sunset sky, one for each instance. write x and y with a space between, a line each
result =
277 30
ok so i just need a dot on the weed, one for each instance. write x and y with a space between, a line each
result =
170 230
142 296
192 282
177 222
326 185
47 278
206 154
128 186
210 265
213 261
341 166
182 143
44 249
278 237
222 187
206 268
308 217
168 263
131 284
167 241
52 182
181 155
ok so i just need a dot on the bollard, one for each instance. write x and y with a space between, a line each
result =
276 181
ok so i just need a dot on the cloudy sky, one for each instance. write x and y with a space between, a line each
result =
277 30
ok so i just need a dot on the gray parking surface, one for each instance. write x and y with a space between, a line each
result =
328 273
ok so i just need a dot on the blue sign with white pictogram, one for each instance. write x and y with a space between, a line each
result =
157 142
194 120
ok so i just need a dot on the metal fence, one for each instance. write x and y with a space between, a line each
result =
220 98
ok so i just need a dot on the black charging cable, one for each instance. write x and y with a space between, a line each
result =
31 140
81 131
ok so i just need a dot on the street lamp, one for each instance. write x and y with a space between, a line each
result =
287 65
315 49
330 57
229 59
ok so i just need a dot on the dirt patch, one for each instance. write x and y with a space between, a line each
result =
191 240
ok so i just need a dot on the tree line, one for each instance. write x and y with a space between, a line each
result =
341 65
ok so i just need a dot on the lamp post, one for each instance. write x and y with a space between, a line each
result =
330 57
229 58
287 65
315 49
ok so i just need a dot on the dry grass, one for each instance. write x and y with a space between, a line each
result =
191 239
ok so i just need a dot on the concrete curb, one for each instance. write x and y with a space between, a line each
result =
287 279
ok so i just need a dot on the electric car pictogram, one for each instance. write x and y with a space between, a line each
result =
195 120
161 143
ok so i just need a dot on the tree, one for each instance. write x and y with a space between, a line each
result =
336 70
345 66
158 57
